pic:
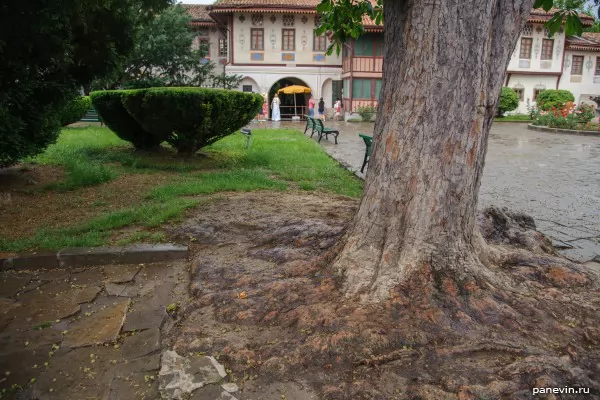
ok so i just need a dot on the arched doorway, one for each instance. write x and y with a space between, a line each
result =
327 92
287 100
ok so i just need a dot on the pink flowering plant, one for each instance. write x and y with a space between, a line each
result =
571 116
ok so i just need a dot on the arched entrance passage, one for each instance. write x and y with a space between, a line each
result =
287 100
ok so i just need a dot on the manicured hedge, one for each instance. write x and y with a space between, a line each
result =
509 101
75 110
553 98
110 108
187 118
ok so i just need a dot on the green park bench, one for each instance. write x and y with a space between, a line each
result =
320 128
368 142
91 116
310 124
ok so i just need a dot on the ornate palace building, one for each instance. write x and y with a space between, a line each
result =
272 44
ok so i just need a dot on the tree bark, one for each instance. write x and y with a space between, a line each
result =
444 66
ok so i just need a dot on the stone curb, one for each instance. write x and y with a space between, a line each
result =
557 130
88 256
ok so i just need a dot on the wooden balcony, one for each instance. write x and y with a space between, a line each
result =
362 64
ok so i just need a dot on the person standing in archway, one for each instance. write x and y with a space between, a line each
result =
275 112
311 106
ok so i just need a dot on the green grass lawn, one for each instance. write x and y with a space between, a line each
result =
514 118
93 157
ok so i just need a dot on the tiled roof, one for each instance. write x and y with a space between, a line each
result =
225 6
198 12
539 15
589 41
263 3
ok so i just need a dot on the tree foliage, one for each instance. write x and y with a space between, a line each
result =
164 56
47 50
343 19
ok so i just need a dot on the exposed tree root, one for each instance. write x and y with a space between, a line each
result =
435 337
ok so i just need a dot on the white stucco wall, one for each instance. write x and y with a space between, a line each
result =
538 33
585 85
529 83
263 78
304 53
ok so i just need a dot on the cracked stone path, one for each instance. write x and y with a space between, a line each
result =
555 178
91 333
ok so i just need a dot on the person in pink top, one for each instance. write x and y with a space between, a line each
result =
311 107
265 110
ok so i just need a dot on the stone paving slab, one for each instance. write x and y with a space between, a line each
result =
84 373
66 340
142 344
99 328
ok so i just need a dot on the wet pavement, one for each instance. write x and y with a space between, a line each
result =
93 333
555 178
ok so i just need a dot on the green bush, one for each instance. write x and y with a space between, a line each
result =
191 118
75 110
367 112
110 108
29 121
509 101
354 120
554 98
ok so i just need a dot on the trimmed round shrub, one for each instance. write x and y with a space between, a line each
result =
110 108
191 118
75 110
553 98
509 101
29 122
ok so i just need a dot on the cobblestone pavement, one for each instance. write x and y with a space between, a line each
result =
553 177
91 333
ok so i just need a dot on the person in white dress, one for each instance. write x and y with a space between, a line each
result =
275 112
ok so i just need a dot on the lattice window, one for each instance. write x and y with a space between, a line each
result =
528 30
525 53
319 42
536 92
289 40
257 39
257 19
289 20
577 67
597 73
222 47
520 93
547 49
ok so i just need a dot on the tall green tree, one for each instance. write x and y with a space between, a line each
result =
48 49
163 56
441 80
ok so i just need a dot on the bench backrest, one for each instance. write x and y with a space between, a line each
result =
318 124
368 141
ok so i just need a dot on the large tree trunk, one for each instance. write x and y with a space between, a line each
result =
445 62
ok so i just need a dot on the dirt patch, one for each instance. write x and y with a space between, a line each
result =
266 302
25 206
